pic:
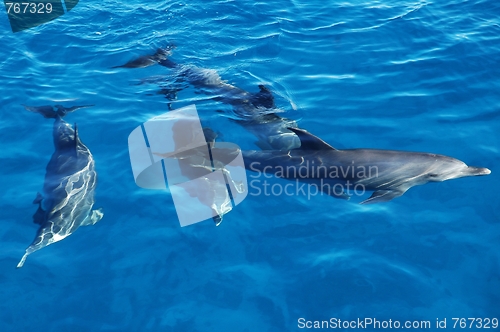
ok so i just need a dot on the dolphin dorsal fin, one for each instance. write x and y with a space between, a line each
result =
263 98
39 216
76 137
310 142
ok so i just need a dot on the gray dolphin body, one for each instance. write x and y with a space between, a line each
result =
70 181
255 111
388 173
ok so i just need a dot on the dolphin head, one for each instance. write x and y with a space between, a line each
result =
447 168
64 135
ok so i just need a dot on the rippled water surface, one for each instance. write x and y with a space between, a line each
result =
403 75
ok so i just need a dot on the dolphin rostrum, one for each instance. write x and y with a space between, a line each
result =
254 111
335 172
70 181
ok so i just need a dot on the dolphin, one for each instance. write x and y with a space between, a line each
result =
70 181
254 111
147 60
197 163
389 174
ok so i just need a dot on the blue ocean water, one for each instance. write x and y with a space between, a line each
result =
405 75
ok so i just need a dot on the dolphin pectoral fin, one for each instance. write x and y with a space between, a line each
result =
342 196
383 196
94 217
46 111
39 216
332 192
38 199
21 262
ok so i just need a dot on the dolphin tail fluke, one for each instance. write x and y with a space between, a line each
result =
62 111
94 217
52 112
21 262
159 57
47 112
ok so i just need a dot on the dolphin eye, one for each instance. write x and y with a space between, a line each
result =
432 175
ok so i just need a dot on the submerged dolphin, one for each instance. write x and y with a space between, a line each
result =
146 60
388 173
196 163
69 185
255 111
